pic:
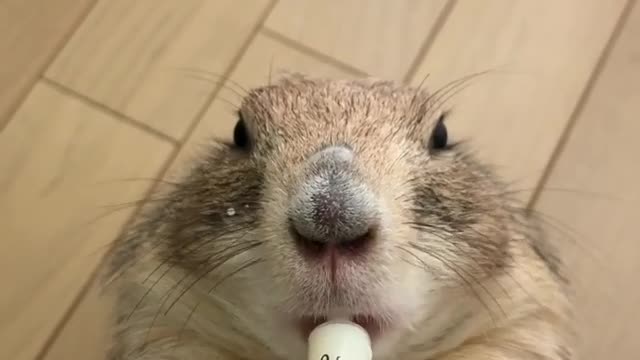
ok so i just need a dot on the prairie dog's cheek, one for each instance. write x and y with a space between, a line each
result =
407 293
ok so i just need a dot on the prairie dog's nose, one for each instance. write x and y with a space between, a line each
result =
332 206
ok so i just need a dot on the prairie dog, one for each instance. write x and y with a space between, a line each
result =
338 196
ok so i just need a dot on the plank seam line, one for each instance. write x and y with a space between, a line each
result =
47 63
430 39
582 101
307 50
147 129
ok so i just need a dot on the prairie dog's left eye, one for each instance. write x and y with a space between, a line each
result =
439 135
240 133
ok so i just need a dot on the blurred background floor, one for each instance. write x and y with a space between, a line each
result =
100 97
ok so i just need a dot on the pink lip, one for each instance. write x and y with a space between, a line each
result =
372 325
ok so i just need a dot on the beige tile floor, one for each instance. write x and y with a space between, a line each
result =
95 93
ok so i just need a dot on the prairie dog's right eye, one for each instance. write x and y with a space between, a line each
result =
440 139
240 134
439 136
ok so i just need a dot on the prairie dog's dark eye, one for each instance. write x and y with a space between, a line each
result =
439 136
240 135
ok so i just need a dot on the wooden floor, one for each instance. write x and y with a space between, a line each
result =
99 97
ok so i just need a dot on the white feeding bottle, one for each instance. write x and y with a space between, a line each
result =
339 340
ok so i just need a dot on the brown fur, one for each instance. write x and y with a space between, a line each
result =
459 271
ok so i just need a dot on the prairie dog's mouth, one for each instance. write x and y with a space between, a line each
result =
371 324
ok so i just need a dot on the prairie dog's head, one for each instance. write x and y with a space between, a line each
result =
343 197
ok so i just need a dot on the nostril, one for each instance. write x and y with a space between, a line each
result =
308 244
318 243
358 243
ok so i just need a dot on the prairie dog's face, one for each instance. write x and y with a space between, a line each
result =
354 202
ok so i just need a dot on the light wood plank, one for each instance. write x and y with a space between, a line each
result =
132 55
381 38
264 58
600 162
541 55
30 34
63 164
85 336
